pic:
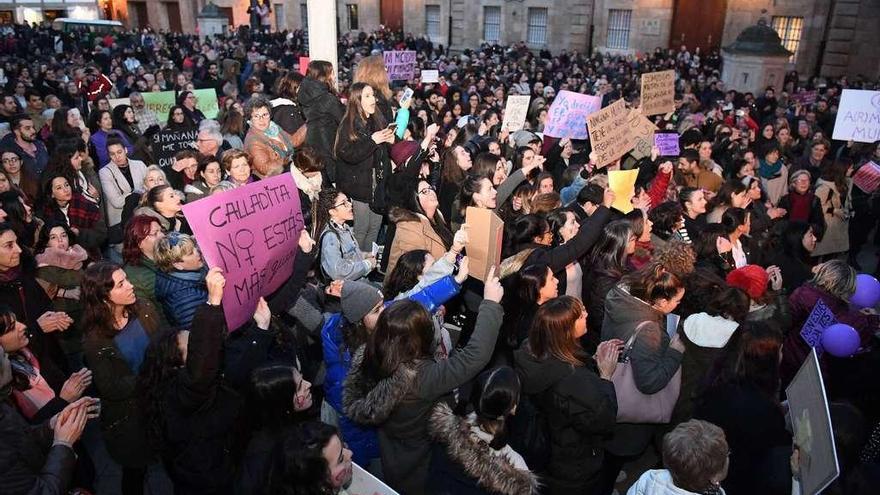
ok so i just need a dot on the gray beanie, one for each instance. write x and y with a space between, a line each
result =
358 299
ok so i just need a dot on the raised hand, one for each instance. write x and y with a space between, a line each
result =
215 282
263 315
493 291
606 357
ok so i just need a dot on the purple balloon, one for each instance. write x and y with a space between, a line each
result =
840 340
867 293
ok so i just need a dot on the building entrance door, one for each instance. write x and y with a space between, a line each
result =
698 23
391 14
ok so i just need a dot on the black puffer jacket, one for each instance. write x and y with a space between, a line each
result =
581 411
323 112
359 163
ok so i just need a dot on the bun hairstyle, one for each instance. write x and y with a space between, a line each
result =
494 397
653 282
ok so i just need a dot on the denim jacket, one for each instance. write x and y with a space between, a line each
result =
341 258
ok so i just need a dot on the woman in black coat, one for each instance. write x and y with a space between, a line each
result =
607 263
192 416
323 112
572 390
362 160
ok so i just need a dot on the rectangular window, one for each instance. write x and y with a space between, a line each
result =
432 21
618 28
537 26
304 13
492 24
790 30
352 16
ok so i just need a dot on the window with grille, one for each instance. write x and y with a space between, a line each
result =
432 21
537 32
790 30
618 28
352 16
304 14
492 24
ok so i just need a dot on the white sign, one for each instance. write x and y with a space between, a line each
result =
858 116
430 76
515 112
364 483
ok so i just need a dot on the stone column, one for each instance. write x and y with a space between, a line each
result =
322 32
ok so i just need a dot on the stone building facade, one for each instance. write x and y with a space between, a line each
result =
829 37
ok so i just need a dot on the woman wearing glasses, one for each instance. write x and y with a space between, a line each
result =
188 100
270 146
420 225
340 255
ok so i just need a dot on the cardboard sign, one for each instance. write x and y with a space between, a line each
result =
658 92
115 102
820 318
667 142
858 116
515 111
167 143
811 424
643 134
430 76
867 177
401 65
805 97
623 183
304 65
485 232
567 116
610 136
160 102
364 483
252 233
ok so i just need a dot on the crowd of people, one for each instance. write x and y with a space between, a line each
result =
433 378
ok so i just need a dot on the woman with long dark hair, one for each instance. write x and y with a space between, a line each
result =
607 264
18 176
85 219
118 329
573 390
101 124
742 397
191 415
792 249
312 459
163 203
69 159
323 112
420 226
187 100
21 219
394 382
833 192
286 110
361 149
733 194
179 121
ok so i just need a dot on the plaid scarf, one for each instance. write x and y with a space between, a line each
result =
81 213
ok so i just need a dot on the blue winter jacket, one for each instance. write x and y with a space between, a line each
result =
180 294
363 441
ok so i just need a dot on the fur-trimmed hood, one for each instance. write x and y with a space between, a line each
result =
397 215
367 402
492 472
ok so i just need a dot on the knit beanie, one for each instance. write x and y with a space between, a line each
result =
750 278
358 299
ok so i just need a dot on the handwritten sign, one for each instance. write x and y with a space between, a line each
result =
515 111
610 136
567 116
304 65
820 318
667 142
643 134
161 102
167 143
206 101
805 97
858 116
401 65
811 426
658 92
430 76
252 233
867 177
623 183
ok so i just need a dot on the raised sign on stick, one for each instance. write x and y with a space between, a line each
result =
610 134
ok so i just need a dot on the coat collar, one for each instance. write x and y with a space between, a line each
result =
371 402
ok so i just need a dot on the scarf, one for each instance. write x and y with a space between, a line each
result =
81 213
10 275
310 186
273 130
800 206
72 259
769 170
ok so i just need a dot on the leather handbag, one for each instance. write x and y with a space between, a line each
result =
633 406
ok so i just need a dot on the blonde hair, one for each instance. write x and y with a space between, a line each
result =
172 248
837 278
372 71
157 169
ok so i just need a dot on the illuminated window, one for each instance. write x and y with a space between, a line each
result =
790 30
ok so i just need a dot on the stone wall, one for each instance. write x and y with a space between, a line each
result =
650 24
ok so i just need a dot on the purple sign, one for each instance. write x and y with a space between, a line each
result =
252 233
567 117
820 318
667 142
401 65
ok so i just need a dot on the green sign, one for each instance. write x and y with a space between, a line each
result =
161 102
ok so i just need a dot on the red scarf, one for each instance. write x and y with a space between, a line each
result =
801 204
81 213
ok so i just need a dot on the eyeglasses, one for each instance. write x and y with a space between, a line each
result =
345 202
427 190
260 116
11 160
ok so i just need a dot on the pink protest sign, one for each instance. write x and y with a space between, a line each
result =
567 117
867 177
303 65
252 233
400 64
